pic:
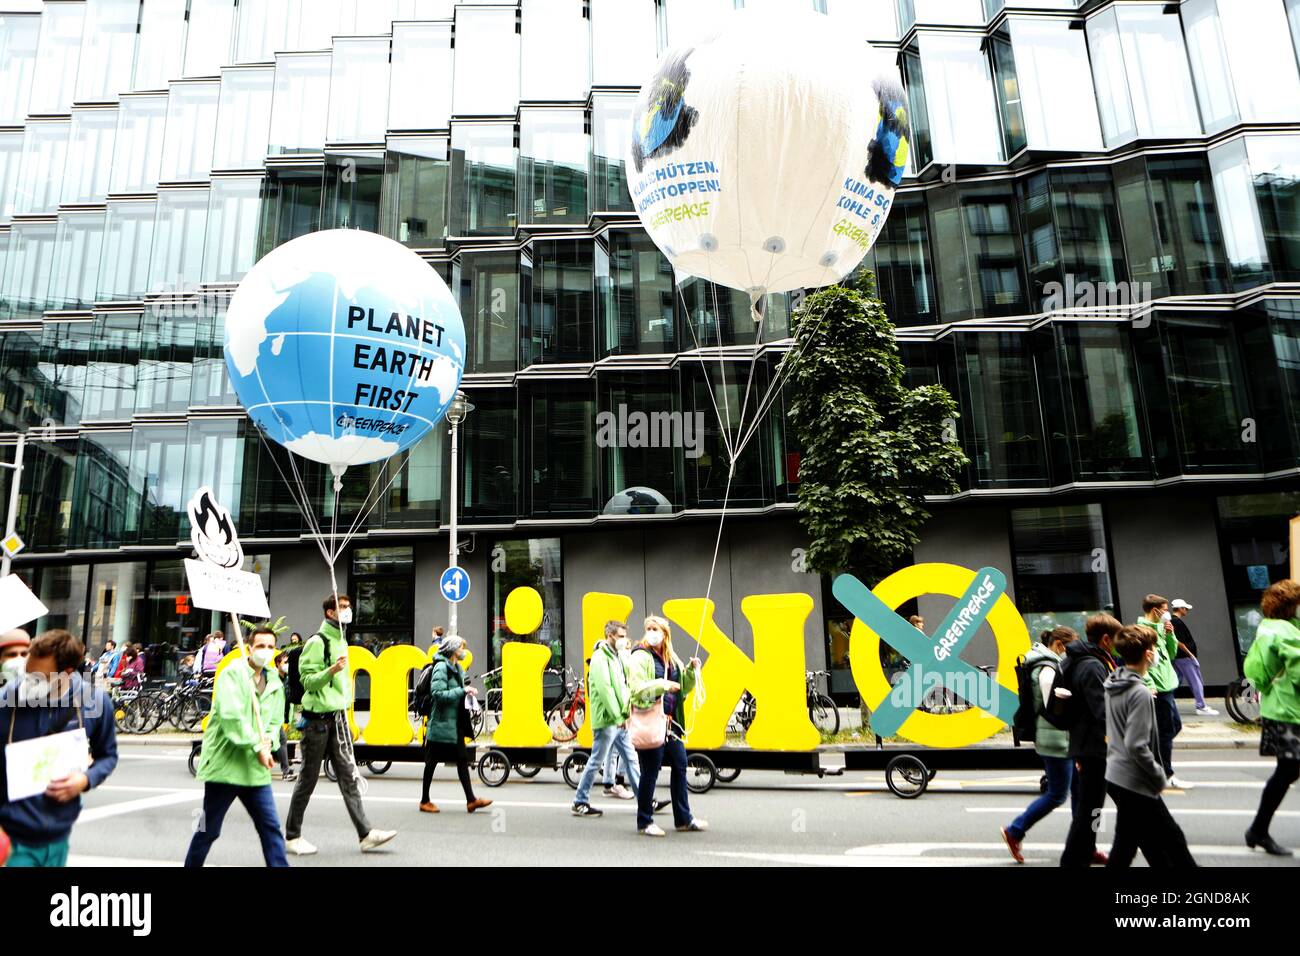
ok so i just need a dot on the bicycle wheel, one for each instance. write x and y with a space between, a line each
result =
476 723
1248 702
745 716
494 768
1230 700
728 775
379 767
189 714
701 773
527 770
564 726
574 765
137 716
824 714
906 776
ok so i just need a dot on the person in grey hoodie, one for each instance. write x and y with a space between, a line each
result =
1135 776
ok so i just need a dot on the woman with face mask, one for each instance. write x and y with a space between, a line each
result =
656 672
444 737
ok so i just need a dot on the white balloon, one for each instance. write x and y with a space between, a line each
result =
764 157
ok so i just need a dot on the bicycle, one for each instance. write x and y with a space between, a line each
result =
566 716
1241 700
822 711
491 703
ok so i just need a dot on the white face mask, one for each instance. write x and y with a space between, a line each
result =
14 667
622 643
654 638
262 656
345 615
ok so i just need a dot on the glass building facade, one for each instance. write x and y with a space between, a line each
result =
1096 251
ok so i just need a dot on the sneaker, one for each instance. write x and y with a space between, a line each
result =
288 776
299 847
609 791
375 839
585 810
1013 845
1179 784
695 826
652 830
428 807
477 804
620 792
661 805
1206 711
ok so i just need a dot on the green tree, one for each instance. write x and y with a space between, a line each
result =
873 448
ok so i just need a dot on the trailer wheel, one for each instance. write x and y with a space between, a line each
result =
574 764
701 773
494 768
728 775
528 770
907 776
379 767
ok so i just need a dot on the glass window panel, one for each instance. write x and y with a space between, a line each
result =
215 459
55 376
300 107
1144 47
638 296
191 132
552 166
623 42
639 471
1104 425
687 21
611 127
561 449
115 357
559 304
1275 164
706 474
1055 85
158 471
1255 186
323 20
210 382
1001 427
358 80
948 12
243 118
107 49
90 156
531 562
1187 221
45 495
266 27
45 149
1209 61
207 43
138 146
176 264
28 267
1243 232
555 50
167 339
489 301
57 54
353 185
869 19
117 603
961 108
487 62
415 497
128 242
415 192
489 458
11 158
1262 60
18 41
76 260
904 276
1208 394
483 171
234 216
421 84
1058 580
62 589
107 505
1114 107
162 42
1007 87
291 206
913 76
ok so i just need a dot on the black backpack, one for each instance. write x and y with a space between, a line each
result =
1062 712
296 689
1024 725
422 702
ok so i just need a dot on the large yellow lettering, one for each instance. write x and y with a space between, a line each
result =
523 723
775 676
390 721
598 609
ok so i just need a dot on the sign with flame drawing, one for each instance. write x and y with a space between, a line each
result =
216 580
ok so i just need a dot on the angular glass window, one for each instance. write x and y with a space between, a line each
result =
922 153
106 514
162 40
1055 85
416 178
415 499
208 40
27 270
977 251
560 448
487 62
611 127
1243 61
90 156
77 251
1002 431
45 149
559 304
210 382
552 166
556 50
59 374
1007 85
57 54
358 80
18 41
941 12
243 118
713 315
138 145
128 243
215 459
300 105
623 42
234 217
421 77
489 303
1257 187
1072 240
1061 575
961 109
191 132
904 275
639 432
167 339
483 177
374 18
266 27
180 227
291 206
107 50
637 296
489 458
1102 435
1275 163
114 359
46 501
353 184
158 472
713 392
1207 393
11 158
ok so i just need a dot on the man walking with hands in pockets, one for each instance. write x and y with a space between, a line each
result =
608 700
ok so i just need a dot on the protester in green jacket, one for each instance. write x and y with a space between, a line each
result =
1273 666
444 737
247 705
1163 680
608 702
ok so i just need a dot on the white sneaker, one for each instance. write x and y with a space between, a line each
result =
299 847
376 838
1206 711
620 792
1179 784
653 830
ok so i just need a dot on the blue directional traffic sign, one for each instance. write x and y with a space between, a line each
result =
455 584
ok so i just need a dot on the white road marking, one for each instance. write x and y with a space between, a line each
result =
145 803
1177 811
939 854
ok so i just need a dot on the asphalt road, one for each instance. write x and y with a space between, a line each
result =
143 816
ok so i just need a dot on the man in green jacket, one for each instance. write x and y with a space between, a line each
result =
327 695
1163 680
247 704
608 703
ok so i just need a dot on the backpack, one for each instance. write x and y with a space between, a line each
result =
1024 726
422 702
1062 712
296 688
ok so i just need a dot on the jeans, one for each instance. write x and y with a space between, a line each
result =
673 753
260 804
1089 787
1189 673
321 735
435 754
605 741
1168 726
1145 823
1059 771
29 855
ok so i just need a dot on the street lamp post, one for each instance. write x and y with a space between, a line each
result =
456 413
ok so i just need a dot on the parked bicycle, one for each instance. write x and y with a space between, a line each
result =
822 711
490 704
1241 699
567 714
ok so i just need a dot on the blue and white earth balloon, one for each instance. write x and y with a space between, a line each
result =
344 346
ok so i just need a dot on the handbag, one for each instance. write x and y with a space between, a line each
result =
648 727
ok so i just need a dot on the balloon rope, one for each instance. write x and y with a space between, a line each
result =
368 506
722 368
303 508
704 369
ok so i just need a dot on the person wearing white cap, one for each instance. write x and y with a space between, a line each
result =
13 654
1186 664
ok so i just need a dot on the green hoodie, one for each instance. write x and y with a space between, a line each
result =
608 696
1273 666
1161 676
232 737
323 692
